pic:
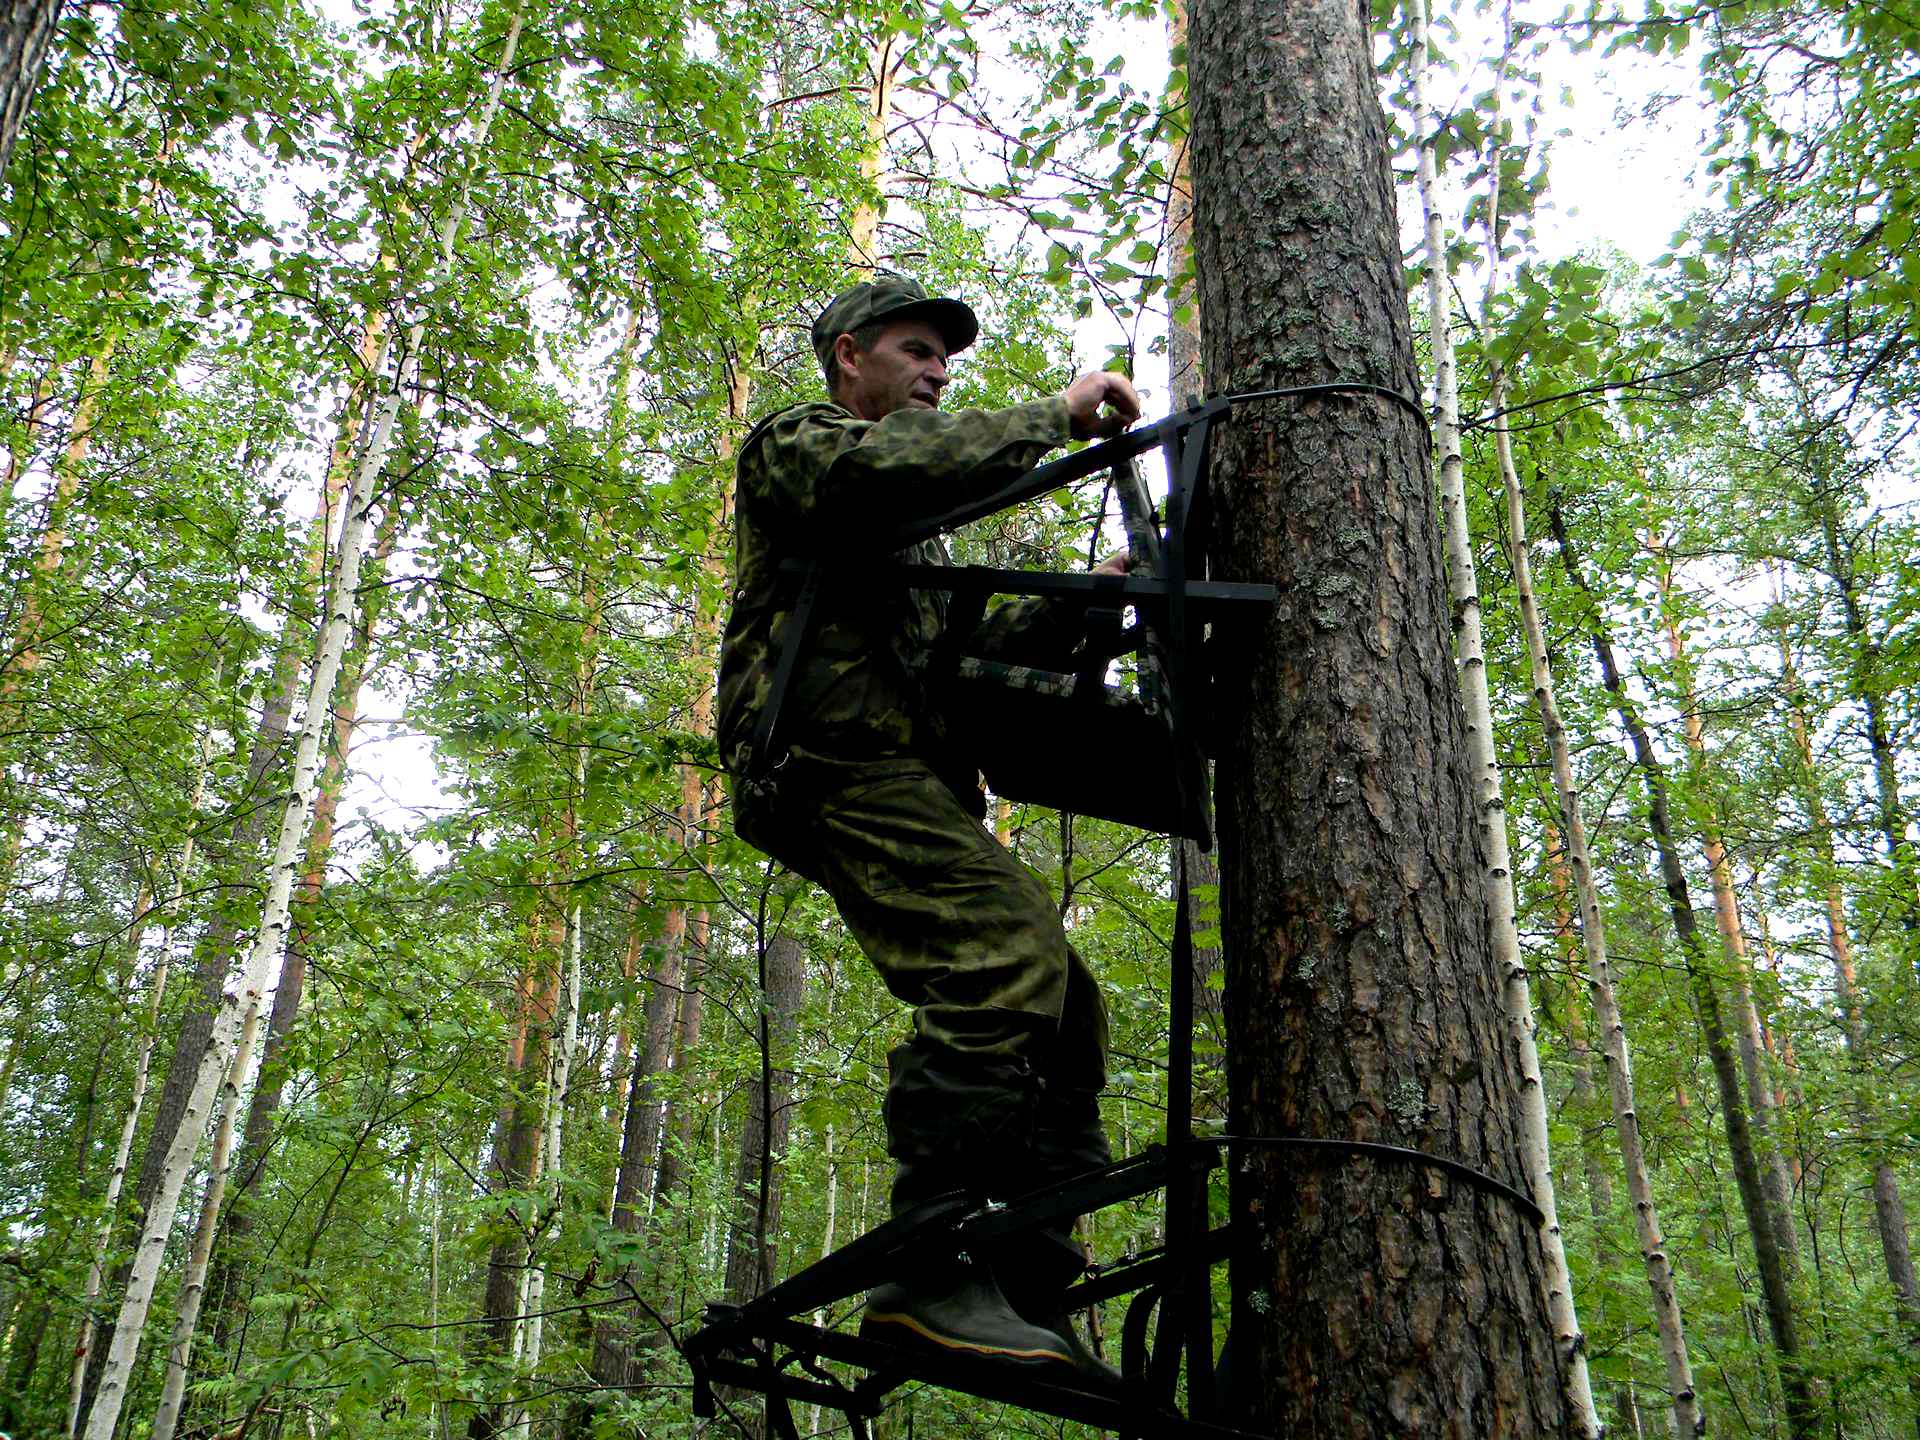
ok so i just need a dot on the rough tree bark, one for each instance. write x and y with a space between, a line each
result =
1801 1417
26 31
1363 1000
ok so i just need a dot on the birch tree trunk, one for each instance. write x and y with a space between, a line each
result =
193 1282
290 990
1688 1418
214 954
142 1069
1491 803
268 942
1363 1001
1802 1421
271 937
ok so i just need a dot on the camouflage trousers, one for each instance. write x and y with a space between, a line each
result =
998 1088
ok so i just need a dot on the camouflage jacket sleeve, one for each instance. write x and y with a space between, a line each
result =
829 471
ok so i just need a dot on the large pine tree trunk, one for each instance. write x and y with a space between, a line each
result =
1363 1001
26 31
1801 1417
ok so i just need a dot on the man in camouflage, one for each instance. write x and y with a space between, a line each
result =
996 1092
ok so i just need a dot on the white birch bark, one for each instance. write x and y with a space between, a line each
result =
1687 1418
259 961
193 1285
288 850
142 1072
1491 804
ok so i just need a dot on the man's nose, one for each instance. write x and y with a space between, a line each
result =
937 373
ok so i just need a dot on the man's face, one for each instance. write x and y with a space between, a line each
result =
905 369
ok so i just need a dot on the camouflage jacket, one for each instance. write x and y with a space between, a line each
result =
817 481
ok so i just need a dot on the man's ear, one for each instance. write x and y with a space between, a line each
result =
846 355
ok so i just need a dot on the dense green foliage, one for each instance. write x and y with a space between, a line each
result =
217 232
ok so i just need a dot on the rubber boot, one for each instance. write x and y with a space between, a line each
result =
957 1309
1034 1271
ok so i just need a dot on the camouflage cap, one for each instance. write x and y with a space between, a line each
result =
893 297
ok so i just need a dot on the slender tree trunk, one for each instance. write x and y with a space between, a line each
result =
1781 1065
516 1138
1363 1000
1733 939
193 1283
1863 683
1566 935
889 54
763 1139
225 1284
1889 1209
1484 765
1802 1418
622 1073
682 1109
640 1144
567 1030
142 1070
271 937
218 1053
26 31
214 954
1688 1418
38 597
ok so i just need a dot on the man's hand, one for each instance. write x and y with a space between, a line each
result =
1118 563
1097 388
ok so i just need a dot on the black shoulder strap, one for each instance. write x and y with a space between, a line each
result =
762 756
